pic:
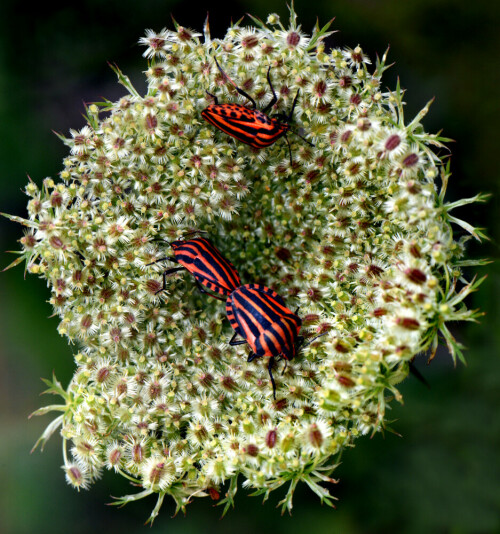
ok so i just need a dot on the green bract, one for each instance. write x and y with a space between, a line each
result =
354 232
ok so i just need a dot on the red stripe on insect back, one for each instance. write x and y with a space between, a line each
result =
246 309
283 337
271 300
246 330
258 312
285 332
279 324
262 306
277 345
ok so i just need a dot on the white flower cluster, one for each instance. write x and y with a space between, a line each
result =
351 230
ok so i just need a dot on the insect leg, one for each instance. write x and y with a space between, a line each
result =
251 357
216 100
274 99
418 375
303 138
289 149
233 341
315 338
194 232
293 106
270 369
171 258
165 274
240 91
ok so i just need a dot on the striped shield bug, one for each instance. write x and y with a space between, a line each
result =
204 261
259 316
250 125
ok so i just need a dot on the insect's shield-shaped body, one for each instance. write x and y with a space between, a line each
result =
250 126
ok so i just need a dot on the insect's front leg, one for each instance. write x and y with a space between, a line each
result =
171 258
251 357
167 273
270 369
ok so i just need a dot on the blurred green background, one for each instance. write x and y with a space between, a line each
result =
443 474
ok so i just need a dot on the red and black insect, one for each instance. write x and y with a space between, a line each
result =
204 261
259 315
250 125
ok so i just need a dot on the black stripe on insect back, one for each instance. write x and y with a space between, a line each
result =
279 335
286 329
273 343
269 298
245 316
224 269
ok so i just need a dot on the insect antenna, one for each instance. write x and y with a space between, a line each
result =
289 149
155 239
290 115
314 339
274 98
195 232
418 375
240 91
289 118
303 138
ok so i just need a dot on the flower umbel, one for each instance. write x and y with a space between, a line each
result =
350 230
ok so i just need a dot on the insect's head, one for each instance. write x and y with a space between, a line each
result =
283 119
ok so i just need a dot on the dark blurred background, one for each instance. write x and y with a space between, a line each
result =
443 474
